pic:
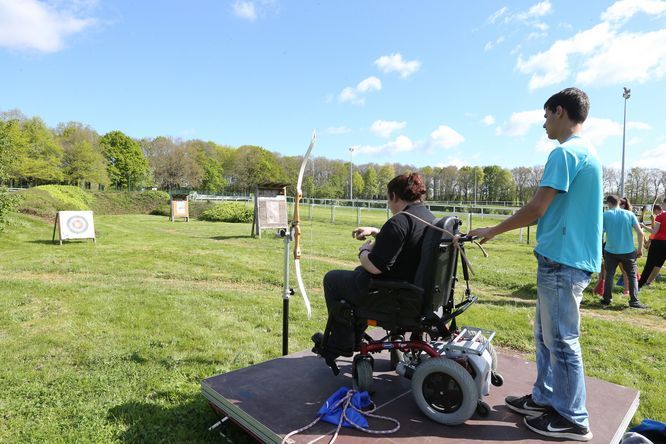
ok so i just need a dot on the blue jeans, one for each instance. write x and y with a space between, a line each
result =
560 379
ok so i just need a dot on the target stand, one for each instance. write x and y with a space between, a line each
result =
74 225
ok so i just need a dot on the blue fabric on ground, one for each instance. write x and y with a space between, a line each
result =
655 431
331 413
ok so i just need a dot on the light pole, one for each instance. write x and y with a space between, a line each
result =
351 172
626 94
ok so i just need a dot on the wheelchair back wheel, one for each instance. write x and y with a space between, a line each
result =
444 391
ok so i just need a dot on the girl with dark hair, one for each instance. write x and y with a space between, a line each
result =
394 254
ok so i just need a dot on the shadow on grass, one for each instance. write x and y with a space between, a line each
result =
526 292
187 421
508 303
236 236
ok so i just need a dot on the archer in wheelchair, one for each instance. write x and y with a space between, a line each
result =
406 285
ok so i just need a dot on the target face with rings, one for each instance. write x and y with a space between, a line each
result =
76 225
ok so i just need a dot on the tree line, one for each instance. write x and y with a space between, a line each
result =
73 153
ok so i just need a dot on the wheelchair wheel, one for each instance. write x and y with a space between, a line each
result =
444 391
362 373
483 409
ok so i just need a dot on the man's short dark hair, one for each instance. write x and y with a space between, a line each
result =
574 101
656 207
612 200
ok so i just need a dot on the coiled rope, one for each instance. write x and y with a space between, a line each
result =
345 401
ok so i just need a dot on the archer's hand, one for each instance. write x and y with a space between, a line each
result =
361 233
367 246
484 234
639 252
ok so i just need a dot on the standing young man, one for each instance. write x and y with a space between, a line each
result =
568 207
620 249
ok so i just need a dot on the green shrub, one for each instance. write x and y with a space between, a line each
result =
228 212
8 203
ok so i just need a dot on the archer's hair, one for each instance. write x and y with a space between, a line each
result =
612 200
574 101
656 207
625 204
408 187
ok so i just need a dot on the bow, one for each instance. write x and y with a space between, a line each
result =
295 225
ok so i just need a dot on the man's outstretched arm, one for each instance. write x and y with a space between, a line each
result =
527 215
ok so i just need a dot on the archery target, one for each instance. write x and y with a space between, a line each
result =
76 225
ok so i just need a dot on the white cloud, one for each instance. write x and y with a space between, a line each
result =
401 144
489 120
539 10
245 10
384 128
654 158
598 130
521 122
639 125
545 145
336 130
453 161
603 54
619 60
32 25
498 14
355 95
617 165
446 137
395 63
491 45
625 9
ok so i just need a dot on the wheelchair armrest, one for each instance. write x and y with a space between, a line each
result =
377 284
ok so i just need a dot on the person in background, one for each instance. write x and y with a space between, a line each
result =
619 249
568 207
657 252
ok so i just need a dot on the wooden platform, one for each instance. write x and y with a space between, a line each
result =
271 399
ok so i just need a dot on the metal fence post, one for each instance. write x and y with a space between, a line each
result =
333 213
358 216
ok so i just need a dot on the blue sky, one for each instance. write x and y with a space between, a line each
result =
426 83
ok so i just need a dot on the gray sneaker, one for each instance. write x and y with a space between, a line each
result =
525 406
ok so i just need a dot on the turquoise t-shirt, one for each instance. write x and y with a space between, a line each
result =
618 224
571 229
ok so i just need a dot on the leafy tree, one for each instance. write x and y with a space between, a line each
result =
83 160
497 183
308 187
358 184
521 177
81 163
12 143
254 165
470 179
38 154
448 179
386 173
371 189
126 164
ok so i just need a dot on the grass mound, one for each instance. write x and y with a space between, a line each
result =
45 201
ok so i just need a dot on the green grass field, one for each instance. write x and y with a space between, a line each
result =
108 342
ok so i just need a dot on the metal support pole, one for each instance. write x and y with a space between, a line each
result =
626 94
286 294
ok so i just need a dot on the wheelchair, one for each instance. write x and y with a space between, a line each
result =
450 369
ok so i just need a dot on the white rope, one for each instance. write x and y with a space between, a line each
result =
454 238
346 400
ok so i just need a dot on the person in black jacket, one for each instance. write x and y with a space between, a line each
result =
394 254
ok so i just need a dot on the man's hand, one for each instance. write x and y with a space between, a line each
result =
361 233
639 252
484 234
